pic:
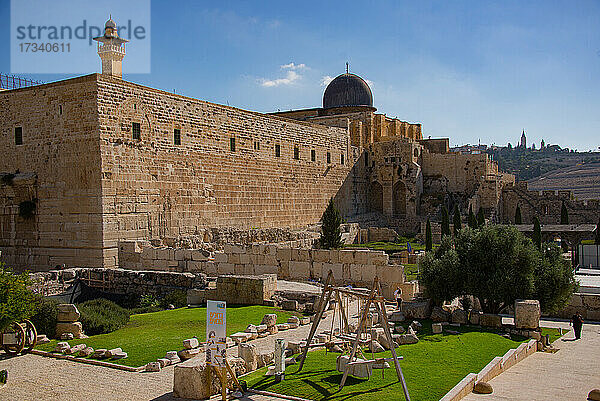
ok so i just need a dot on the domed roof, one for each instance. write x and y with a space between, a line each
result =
110 23
347 90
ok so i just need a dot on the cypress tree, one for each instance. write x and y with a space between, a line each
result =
456 220
472 219
445 221
518 218
428 237
598 232
537 233
331 235
564 214
480 218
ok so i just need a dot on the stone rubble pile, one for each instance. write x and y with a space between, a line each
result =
68 322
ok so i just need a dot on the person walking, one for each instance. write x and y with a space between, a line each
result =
398 296
577 323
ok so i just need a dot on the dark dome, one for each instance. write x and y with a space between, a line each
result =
347 90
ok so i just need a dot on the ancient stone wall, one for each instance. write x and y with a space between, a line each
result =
356 267
225 172
546 205
57 167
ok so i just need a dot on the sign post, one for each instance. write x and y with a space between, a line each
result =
216 345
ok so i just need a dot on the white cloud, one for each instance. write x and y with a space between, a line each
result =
326 80
290 78
292 66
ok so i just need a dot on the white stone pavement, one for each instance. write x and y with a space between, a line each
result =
566 375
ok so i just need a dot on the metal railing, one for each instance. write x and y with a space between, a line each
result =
14 82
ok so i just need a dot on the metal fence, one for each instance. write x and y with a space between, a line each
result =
14 82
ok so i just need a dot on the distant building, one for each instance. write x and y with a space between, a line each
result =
523 140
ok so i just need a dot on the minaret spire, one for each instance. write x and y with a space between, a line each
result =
347 68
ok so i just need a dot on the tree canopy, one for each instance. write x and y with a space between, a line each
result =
331 235
537 233
497 264
472 221
564 214
445 221
456 220
428 237
16 300
480 218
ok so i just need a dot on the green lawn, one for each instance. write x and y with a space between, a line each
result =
411 271
431 367
149 336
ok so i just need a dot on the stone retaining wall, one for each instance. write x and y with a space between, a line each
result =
491 370
586 304
349 266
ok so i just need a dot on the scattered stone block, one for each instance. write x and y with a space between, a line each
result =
186 354
490 320
416 326
439 315
261 327
290 361
527 314
293 319
417 309
269 319
375 347
263 334
474 317
240 337
399 329
252 329
436 328
74 328
282 326
397 317
459 316
87 351
120 355
75 349
290 305
153 367
483 388
272 330
99 353
173 357
112 352
66 336
265 359
62 347
163 362
42 339
67 313
594 395
191 343
248 353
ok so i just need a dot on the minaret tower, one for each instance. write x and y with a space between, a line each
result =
111 49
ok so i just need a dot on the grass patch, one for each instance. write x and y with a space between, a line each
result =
149 336
431 368
411 271
391 247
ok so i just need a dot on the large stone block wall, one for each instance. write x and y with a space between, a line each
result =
586 304
57 167
546 205
356 267
153 188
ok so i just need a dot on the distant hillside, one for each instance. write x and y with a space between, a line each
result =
582 179
527 164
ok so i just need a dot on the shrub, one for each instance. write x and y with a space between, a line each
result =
177 298
428 237
148 300
537 233
16 300
456 220
518 217
101 316
144 309
46 315
445 221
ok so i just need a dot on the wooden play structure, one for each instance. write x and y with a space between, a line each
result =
18 337
366 298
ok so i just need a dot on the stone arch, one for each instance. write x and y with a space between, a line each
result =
376 197
399 197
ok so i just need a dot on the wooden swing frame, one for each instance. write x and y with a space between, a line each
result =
375 296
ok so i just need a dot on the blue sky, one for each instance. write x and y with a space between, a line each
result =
469 71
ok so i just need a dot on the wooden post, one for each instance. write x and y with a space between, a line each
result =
386 328
363 318
325 296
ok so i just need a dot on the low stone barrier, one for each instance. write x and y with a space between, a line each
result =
349 266
586 304
496 366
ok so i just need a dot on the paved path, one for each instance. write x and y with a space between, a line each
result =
566 375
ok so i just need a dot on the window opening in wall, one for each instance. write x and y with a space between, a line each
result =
366 159
392 160
296 153
328 158
135 106
60 109
177 136
136 130
342 158
232 144
256 145
277 150
313 155
18 135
